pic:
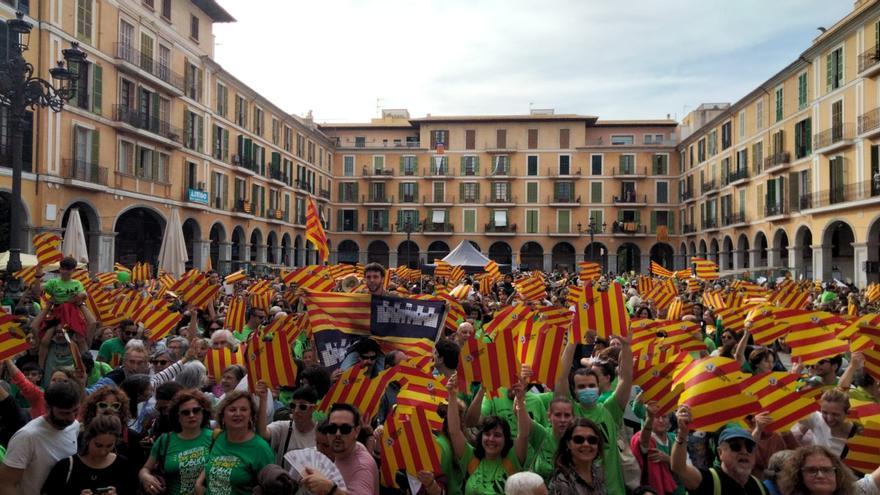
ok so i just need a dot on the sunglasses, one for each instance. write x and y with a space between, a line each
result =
332 428
161 362
301 407
368 358
108 405
580 439
190 412
816 470
738 446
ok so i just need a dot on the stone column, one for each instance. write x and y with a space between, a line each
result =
276 254
288 252
712 257
106 242
578 257
821 262
773 260
754 258
548 262
423 258
514 261
860 255
612 263
201 254
680 261
739 258
224 258
244 259
332 259
392 259
645 264
262 253
723 257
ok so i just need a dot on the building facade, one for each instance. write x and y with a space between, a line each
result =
787 177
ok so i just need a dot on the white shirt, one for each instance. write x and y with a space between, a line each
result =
866 486
36 448
820 434
278 434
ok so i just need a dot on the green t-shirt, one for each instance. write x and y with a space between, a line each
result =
827 296
62 290
488 477
183 460
243 334
453 472
111 351
232 468
98 371
543 462
502 407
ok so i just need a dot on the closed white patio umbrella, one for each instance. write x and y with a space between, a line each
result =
172 255
74 244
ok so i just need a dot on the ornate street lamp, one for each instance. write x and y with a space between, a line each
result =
20 91
593 228
409 228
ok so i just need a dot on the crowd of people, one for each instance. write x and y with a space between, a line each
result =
109 410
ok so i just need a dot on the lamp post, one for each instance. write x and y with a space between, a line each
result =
408 228
592 229
21 90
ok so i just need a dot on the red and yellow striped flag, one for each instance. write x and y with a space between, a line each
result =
119 267
705 269
863 454
356 388
554 315
812 344
659 270
347 312
682 274
675 311
341 270
872 293
408 443
454 313
777 394
268 358
662 294
766 325
540 345
235 277
235 315
602 311
315 231
679 336
142 272
106 278
158 320
653 374
457 274
313 277
588 270
27 274
494 364
791 297
713 391
262 300
693 285
80 274
12 337
574 291
493 270
217 360
195 288
48 248
714 299
460 292
442 269
644 284
531 288
509 319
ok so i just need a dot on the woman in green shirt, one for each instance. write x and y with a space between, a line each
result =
179 456
496 454
238 453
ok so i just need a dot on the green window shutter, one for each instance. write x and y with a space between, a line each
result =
400 192
215 140
830 64
477 191
476 165
401 165
341 192
225 149
470 221
276 160
399 218
356 191
461 192
200 130
670 221
383 215
239 142
97 88
416 192
653 221
96 146
638 216
462 165
808 136
532 192
446 216
619 215
338 219
416 217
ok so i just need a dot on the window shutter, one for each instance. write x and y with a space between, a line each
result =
400 192
401 165
461 192
670 221
793 191
399 220
339 220
200 133
462 161
476 165
416 192
829 71
619 215
341 196
416 217
97 89
96 146
446 217
155 165
477 191
638 216
653 221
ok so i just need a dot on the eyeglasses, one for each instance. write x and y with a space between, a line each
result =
190 412
817 470
301 407
580 439
161 362
343 429
371 357
737 446
109 405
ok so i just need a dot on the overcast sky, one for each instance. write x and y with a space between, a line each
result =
617 59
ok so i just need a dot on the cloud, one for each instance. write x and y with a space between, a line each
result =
612 58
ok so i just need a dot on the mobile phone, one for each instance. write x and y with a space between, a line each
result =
106 489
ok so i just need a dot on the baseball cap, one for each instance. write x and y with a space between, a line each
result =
734 432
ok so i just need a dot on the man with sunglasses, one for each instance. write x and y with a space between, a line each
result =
357 466
112 350
296 433
736 452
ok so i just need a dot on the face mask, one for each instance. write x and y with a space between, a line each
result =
588 396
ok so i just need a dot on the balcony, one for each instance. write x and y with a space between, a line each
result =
628 228
136 61
500 200
555 173
776 209
79 170
149 123
218 202
246 162
438 200
688 228
437 173
279 176
869 123
564 200
407 143
733 219
376 200
409 198
736 175
709 187
243 206
629 198
324 194
833 139
437 228
869 61
839 195
491 228
375 228
777 160
303 186
378 173
607 142
275 214
630 172
687 195
470 199
500 172
710 224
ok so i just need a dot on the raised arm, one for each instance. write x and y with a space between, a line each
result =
561 388
645 437
453 420
855 365
625 374
523 422
688 474
472 415
740 353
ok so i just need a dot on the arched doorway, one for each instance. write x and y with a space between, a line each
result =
531 256
803 241
726 262
780 247
6 223
742 248
239 247
713 250
138 236
218 236
437 250
377 252
704 250
562 257
663 254
347 252
285 250
629 258
501 253
271 247
91 224
692 251
297 251
191 233
256 243
597 253
761 246
838 238
408 254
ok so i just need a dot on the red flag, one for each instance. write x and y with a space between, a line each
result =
315 231
48 248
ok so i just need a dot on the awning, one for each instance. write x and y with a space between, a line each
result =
500 218
438 216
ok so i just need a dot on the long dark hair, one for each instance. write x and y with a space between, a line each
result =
490 423
563 460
